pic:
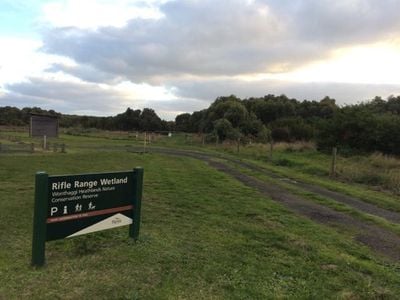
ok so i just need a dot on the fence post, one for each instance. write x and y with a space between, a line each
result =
144 143
44 142
271 148
333 164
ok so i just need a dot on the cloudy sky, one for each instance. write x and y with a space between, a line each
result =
99 57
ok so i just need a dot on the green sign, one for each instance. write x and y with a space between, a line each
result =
72 205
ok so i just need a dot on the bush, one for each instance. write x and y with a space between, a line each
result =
280 135
284 162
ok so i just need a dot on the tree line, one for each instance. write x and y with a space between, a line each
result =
360 128
143 120
364 127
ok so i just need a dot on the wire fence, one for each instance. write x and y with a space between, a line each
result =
21 147
17 148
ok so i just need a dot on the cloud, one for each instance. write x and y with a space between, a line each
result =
226 37
79 97
16 56
175 56
93 13
339 22
345 93
193 37
72 97
84 72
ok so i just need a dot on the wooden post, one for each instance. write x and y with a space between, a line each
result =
271 148
203 139
144 143
32 147
238 145
30 126
333 164
63 148
44 143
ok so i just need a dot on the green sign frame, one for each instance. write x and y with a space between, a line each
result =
71 205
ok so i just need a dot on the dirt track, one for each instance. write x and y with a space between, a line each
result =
379 239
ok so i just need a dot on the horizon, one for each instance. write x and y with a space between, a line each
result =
173 120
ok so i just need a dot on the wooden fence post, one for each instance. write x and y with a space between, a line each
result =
44 143
144 144
271 148
333 164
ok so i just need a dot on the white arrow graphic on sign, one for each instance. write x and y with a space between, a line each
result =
114 221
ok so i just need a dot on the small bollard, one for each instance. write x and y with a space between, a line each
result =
63 150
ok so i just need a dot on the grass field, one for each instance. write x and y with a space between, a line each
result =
204 235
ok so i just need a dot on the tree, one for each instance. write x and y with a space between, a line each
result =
297 128
280 135
149 121
352 129
264 135
235 112
197 121
224 130
182 122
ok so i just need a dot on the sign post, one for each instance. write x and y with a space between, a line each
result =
137 203
71 205
39 219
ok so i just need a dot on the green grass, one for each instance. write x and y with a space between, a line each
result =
379 198
328 202
203 236
310 166
375 172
